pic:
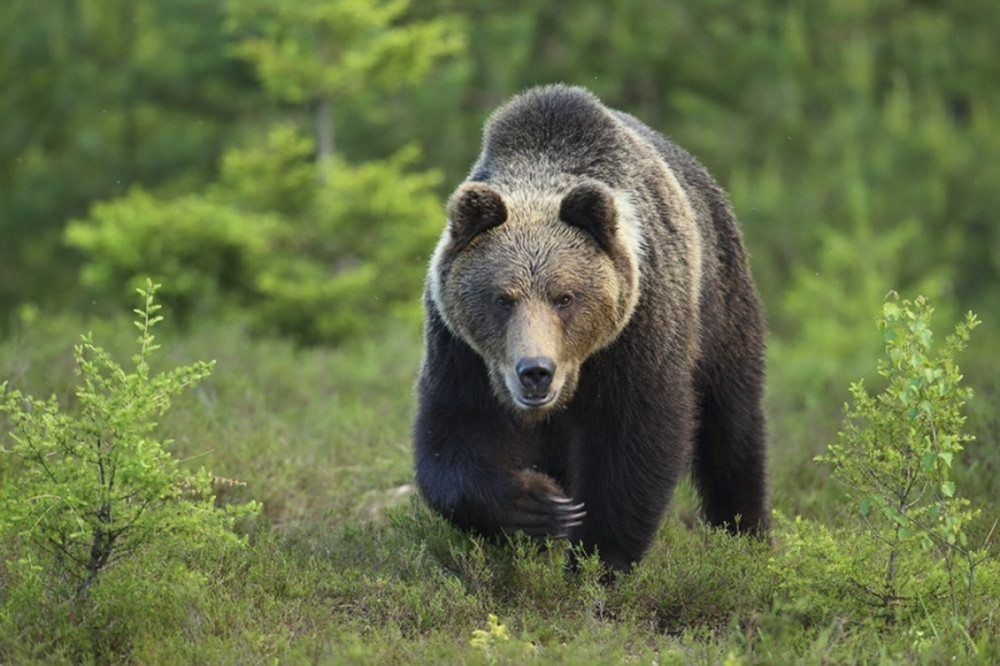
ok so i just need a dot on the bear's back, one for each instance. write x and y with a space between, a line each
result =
553 128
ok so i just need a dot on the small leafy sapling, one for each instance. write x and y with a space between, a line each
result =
896 454
93 486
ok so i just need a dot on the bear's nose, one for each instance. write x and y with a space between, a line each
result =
535 373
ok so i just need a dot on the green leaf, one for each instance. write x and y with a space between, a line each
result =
895 355
925 338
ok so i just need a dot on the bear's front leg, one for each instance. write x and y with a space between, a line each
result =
473 461
627 460
476 493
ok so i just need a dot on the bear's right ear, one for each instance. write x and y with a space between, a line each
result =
472 209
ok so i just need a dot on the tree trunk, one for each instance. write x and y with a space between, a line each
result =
324 130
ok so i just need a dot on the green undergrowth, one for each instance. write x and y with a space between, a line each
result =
344 563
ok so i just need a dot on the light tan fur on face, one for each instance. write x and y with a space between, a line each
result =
534 258
534 330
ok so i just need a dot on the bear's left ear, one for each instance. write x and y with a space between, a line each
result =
591 207
472 209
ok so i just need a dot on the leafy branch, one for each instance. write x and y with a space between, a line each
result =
96 486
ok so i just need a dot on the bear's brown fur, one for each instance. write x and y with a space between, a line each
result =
592 330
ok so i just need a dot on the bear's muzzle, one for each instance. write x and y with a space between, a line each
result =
535 374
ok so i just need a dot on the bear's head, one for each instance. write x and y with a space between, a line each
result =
536 283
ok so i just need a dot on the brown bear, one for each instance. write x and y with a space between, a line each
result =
592 331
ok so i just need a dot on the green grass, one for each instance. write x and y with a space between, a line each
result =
346 565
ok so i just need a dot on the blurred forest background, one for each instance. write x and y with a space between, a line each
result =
285 162
280 166
288 160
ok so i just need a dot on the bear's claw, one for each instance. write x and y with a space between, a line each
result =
547 515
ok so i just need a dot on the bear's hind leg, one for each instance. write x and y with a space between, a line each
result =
730 459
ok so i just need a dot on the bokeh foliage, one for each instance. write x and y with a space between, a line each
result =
834 126
817 118
319 253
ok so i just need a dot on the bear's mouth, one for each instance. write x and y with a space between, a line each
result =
534 401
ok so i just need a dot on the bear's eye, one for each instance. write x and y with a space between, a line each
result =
504 302
564 301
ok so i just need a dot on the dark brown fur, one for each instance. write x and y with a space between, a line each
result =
588 244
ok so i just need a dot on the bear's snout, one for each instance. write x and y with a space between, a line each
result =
535 374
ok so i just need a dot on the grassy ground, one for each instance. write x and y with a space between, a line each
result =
345 565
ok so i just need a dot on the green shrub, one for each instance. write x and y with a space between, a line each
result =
95 487
909 556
